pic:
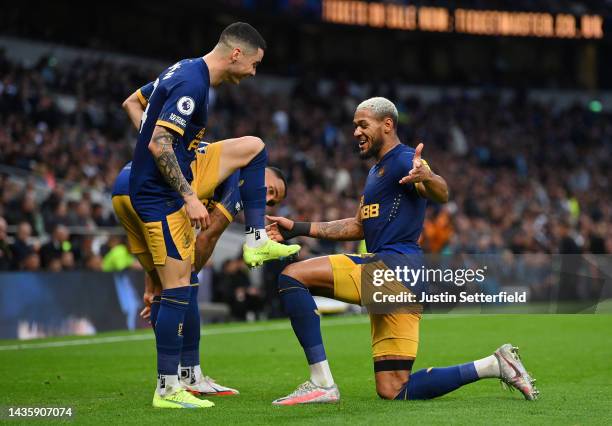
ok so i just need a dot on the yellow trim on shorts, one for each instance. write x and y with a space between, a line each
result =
175 301
171 126
225 212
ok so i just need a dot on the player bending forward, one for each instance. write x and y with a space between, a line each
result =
172 127
390 218
223 203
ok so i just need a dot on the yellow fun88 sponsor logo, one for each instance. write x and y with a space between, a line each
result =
370 210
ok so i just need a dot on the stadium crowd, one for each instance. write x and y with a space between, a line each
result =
524 177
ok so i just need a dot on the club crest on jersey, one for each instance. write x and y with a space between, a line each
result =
185 105
202 147
186 240
381 172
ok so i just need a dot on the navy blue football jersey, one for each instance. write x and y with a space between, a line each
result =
392 214
179 102
144 93
226 195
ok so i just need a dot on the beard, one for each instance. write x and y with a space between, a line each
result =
373 151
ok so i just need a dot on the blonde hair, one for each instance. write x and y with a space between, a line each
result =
381 107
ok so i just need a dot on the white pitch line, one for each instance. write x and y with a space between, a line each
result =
213 332
150 336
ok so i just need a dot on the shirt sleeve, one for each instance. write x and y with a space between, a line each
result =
179 107
144 93
227 196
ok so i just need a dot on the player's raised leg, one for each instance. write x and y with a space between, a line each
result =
250 156
293 287
399 383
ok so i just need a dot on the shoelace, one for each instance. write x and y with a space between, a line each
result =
182 396
306 386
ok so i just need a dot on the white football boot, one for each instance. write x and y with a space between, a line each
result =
513 372
309 393
199 385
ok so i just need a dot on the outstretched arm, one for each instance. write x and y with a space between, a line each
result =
428 184
349 229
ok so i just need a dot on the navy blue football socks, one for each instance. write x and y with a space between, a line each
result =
434 382
302 310
253 191
190 353
169 328
154 310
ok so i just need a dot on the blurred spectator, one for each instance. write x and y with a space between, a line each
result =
30 261
21 247
6 255
93 262
24 209
233 287
437 230
118 256
515 167
51 253
100 218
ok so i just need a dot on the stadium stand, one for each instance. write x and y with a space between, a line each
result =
490 148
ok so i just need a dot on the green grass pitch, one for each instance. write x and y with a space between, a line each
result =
113 382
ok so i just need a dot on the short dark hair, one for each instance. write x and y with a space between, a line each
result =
241 31
279 174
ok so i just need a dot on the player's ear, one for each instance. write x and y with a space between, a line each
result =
236 52
388 125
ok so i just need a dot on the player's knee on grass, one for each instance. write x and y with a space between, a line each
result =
390 383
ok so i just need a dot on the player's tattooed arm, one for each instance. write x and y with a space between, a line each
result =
165 158
282 229
339 230
349 229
